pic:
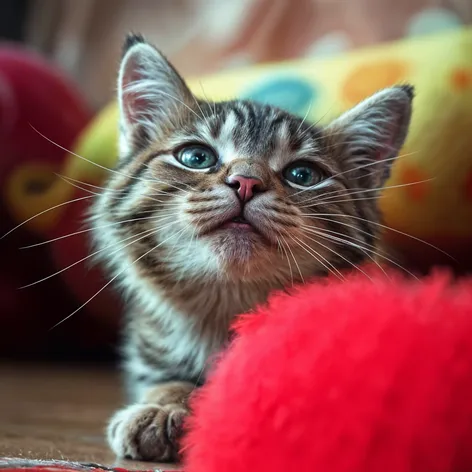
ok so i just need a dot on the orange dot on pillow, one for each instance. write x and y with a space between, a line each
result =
415 181
371 77
461 79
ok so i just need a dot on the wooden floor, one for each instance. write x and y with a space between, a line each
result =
59 413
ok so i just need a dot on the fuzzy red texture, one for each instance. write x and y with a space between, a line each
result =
353 376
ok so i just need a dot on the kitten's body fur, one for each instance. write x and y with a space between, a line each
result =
186 278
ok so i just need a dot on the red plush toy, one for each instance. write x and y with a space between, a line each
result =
353 376
33 93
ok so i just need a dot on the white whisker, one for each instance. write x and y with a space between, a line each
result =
145 233
361 199
312 125
353 239
112 190
355 191
108 169
340 255
385 227
116 223
162 203
311 251
305 117
45 211
109 283
347 225
283 242
206 98
296 263
362 248
309 228
363 166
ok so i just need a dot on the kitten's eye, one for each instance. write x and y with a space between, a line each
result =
197 157
303 174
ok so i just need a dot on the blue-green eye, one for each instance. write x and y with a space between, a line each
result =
303 174
197 157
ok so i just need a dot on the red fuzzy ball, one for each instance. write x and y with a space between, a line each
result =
353 376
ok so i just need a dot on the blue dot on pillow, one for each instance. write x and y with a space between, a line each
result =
292 94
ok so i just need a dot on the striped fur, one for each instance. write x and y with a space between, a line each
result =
159 226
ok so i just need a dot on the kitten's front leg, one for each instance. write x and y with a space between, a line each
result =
151 429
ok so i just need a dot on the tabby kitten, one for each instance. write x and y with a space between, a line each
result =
211 207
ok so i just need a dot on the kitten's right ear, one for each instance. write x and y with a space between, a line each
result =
151 95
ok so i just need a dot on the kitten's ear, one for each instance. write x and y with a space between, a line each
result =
368 137
151 94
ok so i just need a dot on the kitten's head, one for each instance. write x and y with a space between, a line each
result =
239 189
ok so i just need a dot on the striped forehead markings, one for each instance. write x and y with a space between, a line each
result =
245 130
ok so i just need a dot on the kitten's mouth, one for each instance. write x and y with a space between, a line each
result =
238 222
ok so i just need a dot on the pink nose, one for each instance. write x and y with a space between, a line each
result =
245 186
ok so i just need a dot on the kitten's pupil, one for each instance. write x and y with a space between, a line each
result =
197 157
302 175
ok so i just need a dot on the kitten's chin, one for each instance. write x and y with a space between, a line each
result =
240 248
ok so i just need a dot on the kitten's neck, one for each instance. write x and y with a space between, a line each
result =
207 301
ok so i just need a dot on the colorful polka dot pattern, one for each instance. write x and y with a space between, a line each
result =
289 93
368 78
416 182
461 79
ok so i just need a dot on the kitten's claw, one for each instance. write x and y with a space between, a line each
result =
147 432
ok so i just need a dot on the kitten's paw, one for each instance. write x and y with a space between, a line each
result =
147 432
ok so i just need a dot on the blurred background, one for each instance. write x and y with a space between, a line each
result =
204 36
58 61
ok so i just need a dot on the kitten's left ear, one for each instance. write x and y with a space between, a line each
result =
368 137
151 94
